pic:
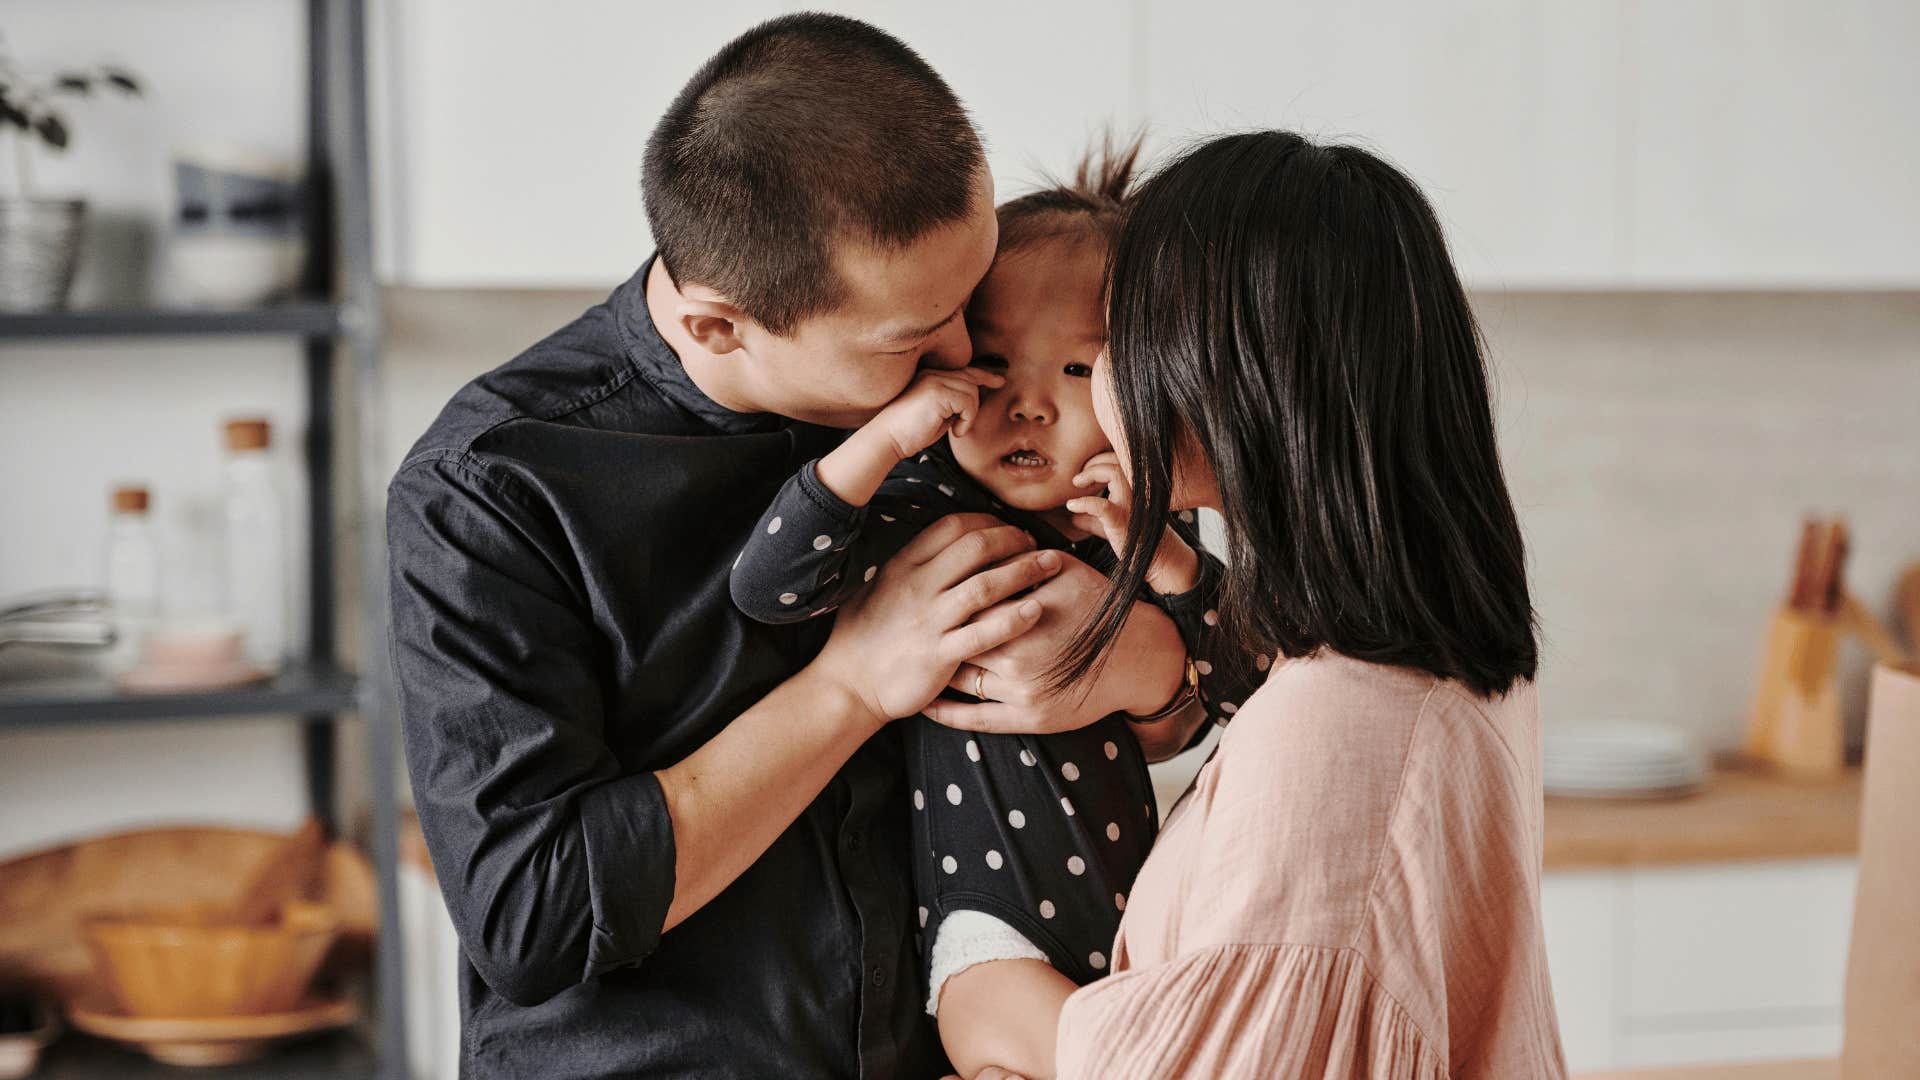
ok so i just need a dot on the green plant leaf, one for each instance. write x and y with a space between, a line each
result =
52 130
77 84
9 114
122 79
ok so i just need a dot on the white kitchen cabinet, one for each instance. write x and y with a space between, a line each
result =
513 134
1586 956
1714 144
1679 965
1504 111
1772 143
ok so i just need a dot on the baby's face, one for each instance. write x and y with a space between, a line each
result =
1037 319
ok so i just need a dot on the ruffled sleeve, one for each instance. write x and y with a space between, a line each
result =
1245 1011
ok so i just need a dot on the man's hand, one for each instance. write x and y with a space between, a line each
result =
1142 673
950 594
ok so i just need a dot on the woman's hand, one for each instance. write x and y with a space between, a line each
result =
948 595
1142 674
1175 568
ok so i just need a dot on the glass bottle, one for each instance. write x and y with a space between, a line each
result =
132 571
257 581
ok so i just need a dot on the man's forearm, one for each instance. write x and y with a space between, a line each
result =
732 797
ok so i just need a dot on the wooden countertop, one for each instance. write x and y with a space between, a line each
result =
1764 1070
1742 815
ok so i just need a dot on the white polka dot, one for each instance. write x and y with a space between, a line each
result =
1186 516
737 558
923 918
1046 909
1203 667
789 598
1119 901
1098 961
1027 758
888 518
919 799
773 526
923 459
913 479
949 864
1067 805
1263 661
868 576
973 750
822 542
953 794
1076 865
1016 819
1070 771
1113 752
947 491
993 860
1113 830
1229 708
1211 618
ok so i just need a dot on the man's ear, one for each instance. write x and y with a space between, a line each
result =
711 320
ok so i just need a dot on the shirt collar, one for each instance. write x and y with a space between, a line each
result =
661 366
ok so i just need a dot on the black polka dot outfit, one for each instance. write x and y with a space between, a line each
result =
1042 832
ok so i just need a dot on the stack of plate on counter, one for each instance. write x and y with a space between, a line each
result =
1621 761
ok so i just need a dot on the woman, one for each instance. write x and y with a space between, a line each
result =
1351 888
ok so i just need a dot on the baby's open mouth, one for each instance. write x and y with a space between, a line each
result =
1026 459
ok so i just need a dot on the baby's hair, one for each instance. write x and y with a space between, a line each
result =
1089 207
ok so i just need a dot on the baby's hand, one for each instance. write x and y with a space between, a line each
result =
1175 568
937 401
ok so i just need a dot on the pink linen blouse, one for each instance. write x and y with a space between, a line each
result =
1351 889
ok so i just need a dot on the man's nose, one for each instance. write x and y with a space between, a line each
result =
950 350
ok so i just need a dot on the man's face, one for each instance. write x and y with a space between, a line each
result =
904 311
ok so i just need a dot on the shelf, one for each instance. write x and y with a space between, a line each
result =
302 689
300 318
328 1057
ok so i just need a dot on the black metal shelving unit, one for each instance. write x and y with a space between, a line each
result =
336 317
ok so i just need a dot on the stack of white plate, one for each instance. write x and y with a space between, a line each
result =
1621 761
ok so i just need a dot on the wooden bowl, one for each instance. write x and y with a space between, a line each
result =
209 1041
174 964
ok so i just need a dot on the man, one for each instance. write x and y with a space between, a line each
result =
673 840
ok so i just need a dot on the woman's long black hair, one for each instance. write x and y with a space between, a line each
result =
1288 312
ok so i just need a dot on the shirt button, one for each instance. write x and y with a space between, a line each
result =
853 843
879 977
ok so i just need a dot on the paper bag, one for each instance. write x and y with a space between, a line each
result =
1883 964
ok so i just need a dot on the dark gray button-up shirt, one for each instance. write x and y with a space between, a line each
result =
560 542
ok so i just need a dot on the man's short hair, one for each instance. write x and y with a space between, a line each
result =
805 131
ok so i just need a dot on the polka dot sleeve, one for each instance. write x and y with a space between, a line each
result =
810 550
1228 676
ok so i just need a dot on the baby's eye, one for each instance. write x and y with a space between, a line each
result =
1080 371
990 362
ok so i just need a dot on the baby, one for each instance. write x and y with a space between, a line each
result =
1024 847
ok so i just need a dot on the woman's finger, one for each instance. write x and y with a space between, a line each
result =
973 680
991 717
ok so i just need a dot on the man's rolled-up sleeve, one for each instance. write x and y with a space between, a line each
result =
555 866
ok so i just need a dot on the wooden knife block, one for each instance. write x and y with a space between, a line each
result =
1796 710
